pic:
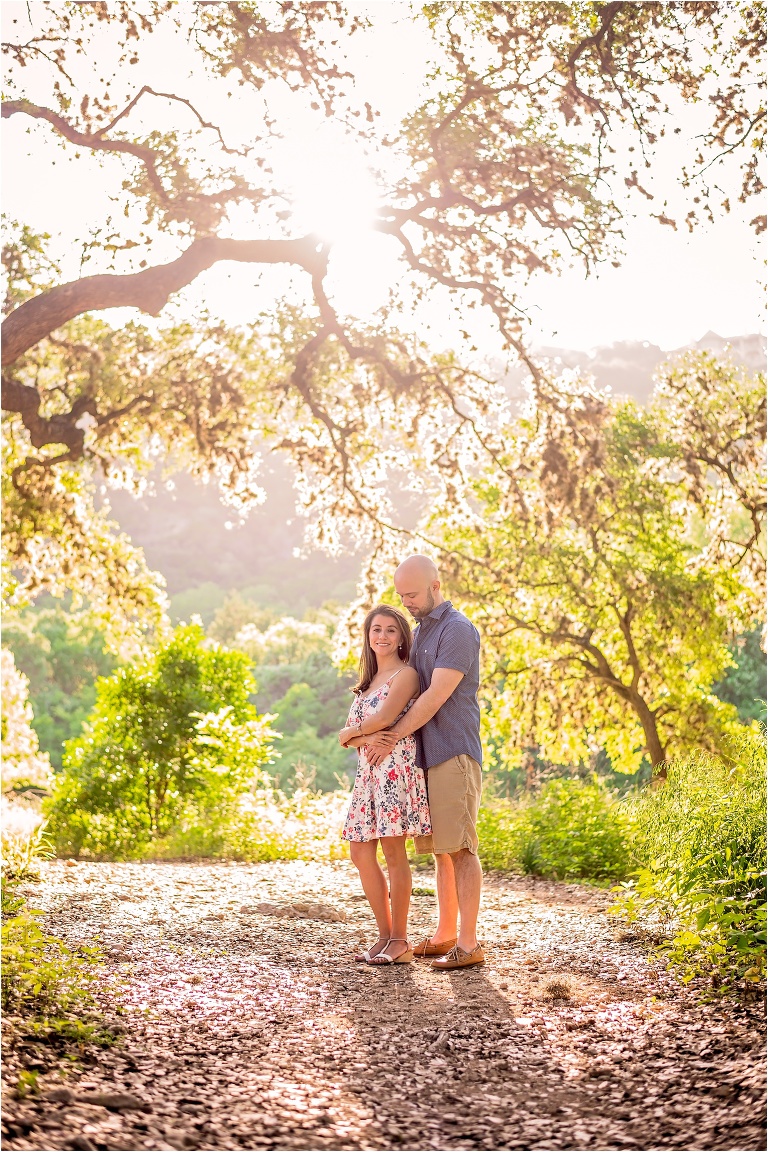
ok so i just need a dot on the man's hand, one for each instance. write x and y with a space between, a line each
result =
379 746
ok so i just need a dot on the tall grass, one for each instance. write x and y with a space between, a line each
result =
266 825
571 830
699 843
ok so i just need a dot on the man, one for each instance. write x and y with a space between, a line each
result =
446 656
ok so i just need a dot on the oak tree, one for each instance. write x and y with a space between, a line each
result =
511 162
606 587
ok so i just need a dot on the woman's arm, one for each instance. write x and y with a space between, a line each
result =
354 741
350 738
405 687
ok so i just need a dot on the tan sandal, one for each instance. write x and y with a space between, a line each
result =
381 958
459 958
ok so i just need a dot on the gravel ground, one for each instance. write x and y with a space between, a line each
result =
246 1030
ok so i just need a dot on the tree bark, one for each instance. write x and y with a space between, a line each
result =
149 290
654 747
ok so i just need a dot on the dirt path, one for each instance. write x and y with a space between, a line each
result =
246 1031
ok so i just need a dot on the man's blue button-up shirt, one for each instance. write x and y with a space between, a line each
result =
447 639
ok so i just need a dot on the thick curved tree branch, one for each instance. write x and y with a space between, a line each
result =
608 14
61 428
149 290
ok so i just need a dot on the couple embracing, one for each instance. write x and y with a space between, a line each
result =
416 724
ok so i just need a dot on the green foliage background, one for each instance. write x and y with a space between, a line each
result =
63 655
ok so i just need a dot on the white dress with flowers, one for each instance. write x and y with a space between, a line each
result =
389 799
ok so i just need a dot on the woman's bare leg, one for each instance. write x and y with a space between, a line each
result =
374 884
400 884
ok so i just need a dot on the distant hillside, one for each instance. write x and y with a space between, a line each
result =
184 535
627 367
183 531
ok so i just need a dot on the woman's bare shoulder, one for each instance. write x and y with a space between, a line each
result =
409 677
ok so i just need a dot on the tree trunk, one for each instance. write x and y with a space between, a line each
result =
529 766
653 745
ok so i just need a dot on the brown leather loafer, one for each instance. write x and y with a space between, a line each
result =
425 947
458 958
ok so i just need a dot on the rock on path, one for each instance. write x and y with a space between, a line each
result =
246 1030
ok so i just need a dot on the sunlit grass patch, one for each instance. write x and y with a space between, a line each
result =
558 988
571 830
700 843
266 825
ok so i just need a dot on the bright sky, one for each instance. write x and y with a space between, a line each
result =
672 287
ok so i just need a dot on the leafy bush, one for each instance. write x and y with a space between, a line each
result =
304 826
573 829
499 833
170 735
46 987
700 841
40 974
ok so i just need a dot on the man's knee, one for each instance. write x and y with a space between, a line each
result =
465 859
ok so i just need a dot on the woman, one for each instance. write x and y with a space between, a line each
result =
389 802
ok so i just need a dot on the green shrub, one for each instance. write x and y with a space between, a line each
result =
169 735
700 843
498 830
44 982
573 829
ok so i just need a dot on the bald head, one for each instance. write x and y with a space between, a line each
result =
417 583
419 568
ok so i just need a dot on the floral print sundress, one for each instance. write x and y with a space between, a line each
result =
389 799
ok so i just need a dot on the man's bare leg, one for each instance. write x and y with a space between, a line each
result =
447 900
469 882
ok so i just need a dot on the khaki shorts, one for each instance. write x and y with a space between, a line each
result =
453 788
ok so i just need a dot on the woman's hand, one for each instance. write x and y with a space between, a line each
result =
346 735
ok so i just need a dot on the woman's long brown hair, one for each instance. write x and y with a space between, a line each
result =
368 666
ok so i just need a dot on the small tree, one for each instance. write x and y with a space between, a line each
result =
169 735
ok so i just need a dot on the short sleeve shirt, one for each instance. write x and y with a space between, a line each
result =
447 639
